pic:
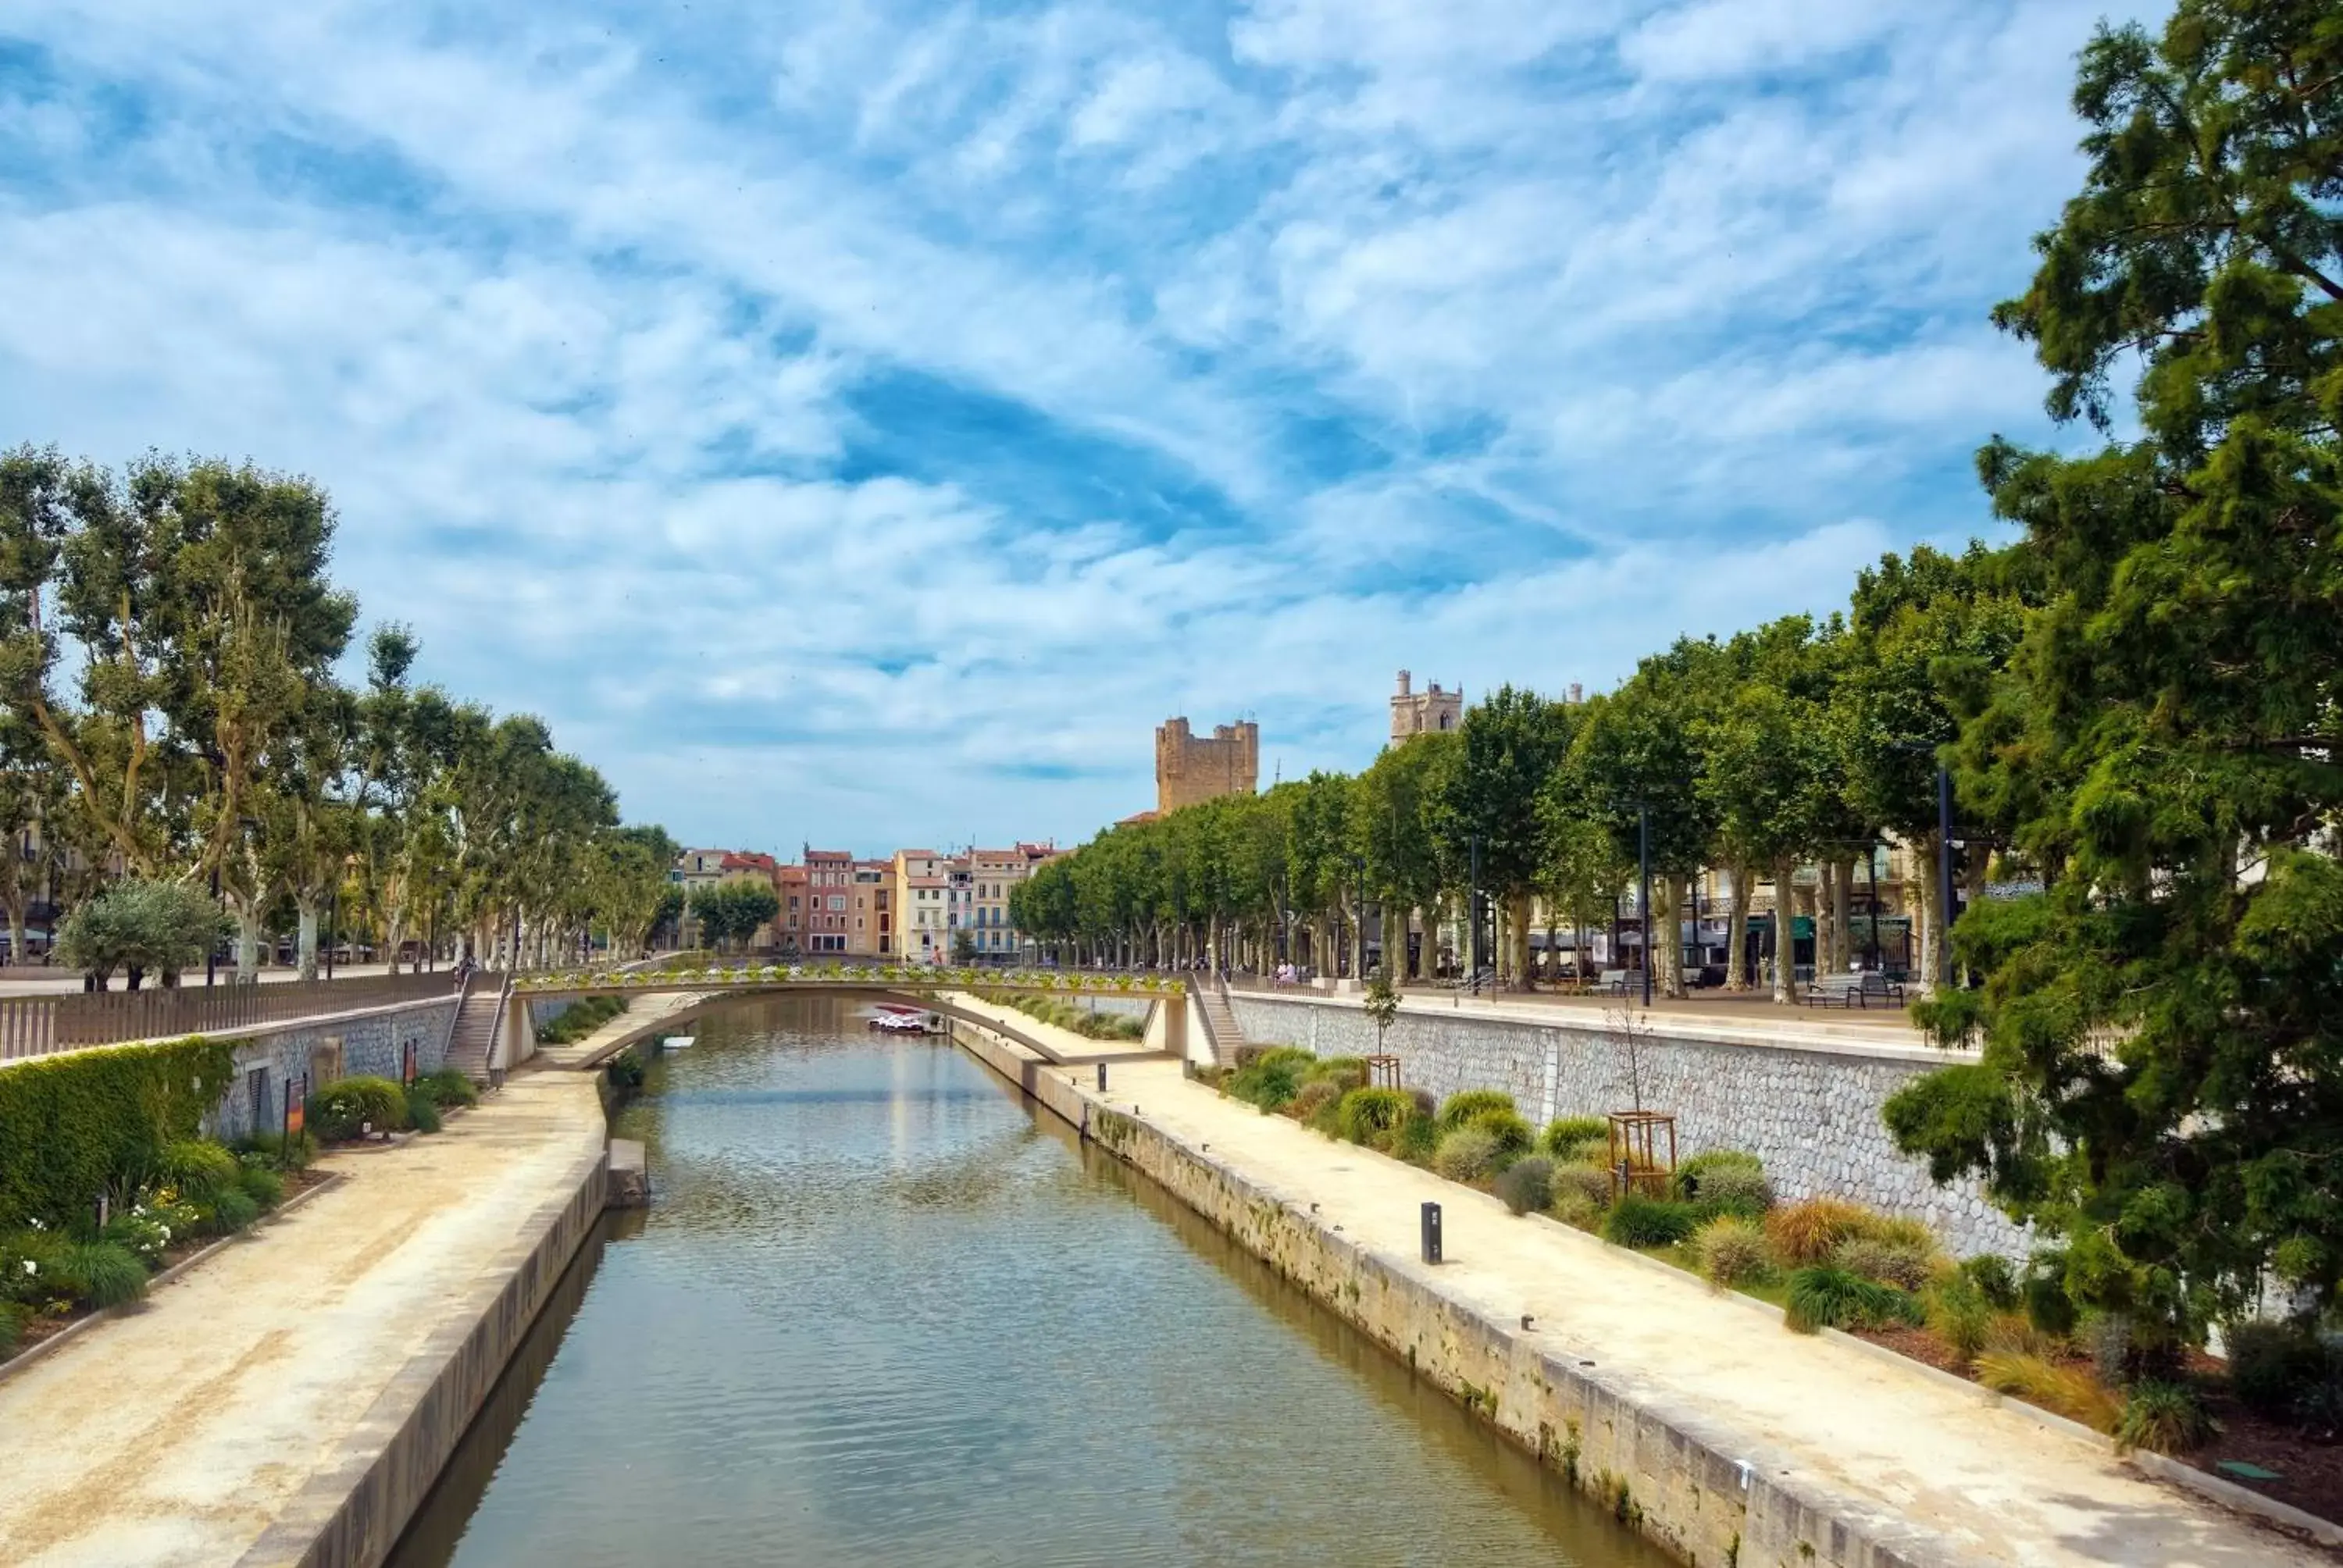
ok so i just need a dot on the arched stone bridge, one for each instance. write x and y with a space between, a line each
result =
929 990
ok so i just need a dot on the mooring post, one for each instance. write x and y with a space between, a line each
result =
1102 1067
1431 1232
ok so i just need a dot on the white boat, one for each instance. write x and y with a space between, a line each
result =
676 1041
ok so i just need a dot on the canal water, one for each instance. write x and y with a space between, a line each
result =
884 1311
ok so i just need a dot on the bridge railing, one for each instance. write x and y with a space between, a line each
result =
42 1025
1143 983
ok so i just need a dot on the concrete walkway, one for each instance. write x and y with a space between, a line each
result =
645 1015
178 1434
1991 1485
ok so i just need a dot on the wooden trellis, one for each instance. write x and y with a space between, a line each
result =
1641 1159
1382 1072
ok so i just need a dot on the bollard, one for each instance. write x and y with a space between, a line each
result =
1102 1067
1431 1232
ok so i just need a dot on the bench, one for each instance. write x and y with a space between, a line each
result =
1613 980
1854 990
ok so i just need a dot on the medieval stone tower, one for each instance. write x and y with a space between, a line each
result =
1417 712
1188 769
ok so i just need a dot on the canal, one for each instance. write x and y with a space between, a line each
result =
882 1311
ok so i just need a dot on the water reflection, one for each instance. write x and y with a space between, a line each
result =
881 1312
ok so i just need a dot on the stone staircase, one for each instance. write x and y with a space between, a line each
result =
1221 1024
472 1042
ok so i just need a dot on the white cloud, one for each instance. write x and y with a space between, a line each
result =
769 396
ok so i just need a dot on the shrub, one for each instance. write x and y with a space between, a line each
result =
450 1086
102 1274
1292 1058
1959 1314
1822 1297
196 1166
1349 1073
141 1232
625 1070
1591 1182
1512 1135
2163 1418
1897 1264
1635 1221
72 1126
1711 1161
29 1263
1729 1250
1418 1138
231 1212
1314 1102
2014 1334
1267 1084
13 1316
263 1186
1733 1190
1563 1135
2270 1365
1465 1155
1469 1104
1526 1184
1572 1208
272 1150
1807 1234
422 1111
1586 1152
343 1107
1371 1116
1994 1279
2065 1391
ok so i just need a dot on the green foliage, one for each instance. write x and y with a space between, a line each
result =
1899 1263
1465 1155
1996 1281
449 1086
1512 1135
2284 1372
626 1070
1591 1182
273 1148
1726 1181
1314 1101
1526 1185
196 1166
1959 1313
1268 1083
1418 1138
1731 1250
263 1186
581 1019
2164 1418
2159 1028
342 1108
1563 1135
421 1111
730 911
101 1273
1470 1104
160 927
1635 1221
1822 1297
13 1317
1382 1002
72 1126
1373 1116
232 1211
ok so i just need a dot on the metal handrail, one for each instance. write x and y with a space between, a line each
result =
34 1026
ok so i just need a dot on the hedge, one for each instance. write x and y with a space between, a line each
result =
74 1123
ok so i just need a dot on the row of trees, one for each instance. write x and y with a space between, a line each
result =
2141 702
172 710
1800 743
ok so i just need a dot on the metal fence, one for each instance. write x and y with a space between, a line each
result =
39 1025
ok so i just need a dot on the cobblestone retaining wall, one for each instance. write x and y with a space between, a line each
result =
372 1045
1812 1116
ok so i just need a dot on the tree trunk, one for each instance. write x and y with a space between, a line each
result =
247 943
1736 931
1785 942
307 949
1663 937
1923 869
1517 937
1826 916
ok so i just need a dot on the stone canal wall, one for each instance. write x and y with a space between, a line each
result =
1811 1110
1664 1473
371 1044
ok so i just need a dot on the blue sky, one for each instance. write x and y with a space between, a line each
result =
863 423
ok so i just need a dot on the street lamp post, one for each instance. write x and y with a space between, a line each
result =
1944 874
1473 913
1644 856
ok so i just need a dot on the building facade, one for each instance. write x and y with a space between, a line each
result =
1428 711
829 899
1189 769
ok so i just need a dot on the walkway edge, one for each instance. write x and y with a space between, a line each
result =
354 1507
1666 1473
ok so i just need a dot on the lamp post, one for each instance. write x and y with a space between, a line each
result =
1644 857
1473 913
1944 874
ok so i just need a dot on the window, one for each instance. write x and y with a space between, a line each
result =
838 900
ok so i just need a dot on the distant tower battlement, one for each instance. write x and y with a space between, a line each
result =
1188 769
1417 712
